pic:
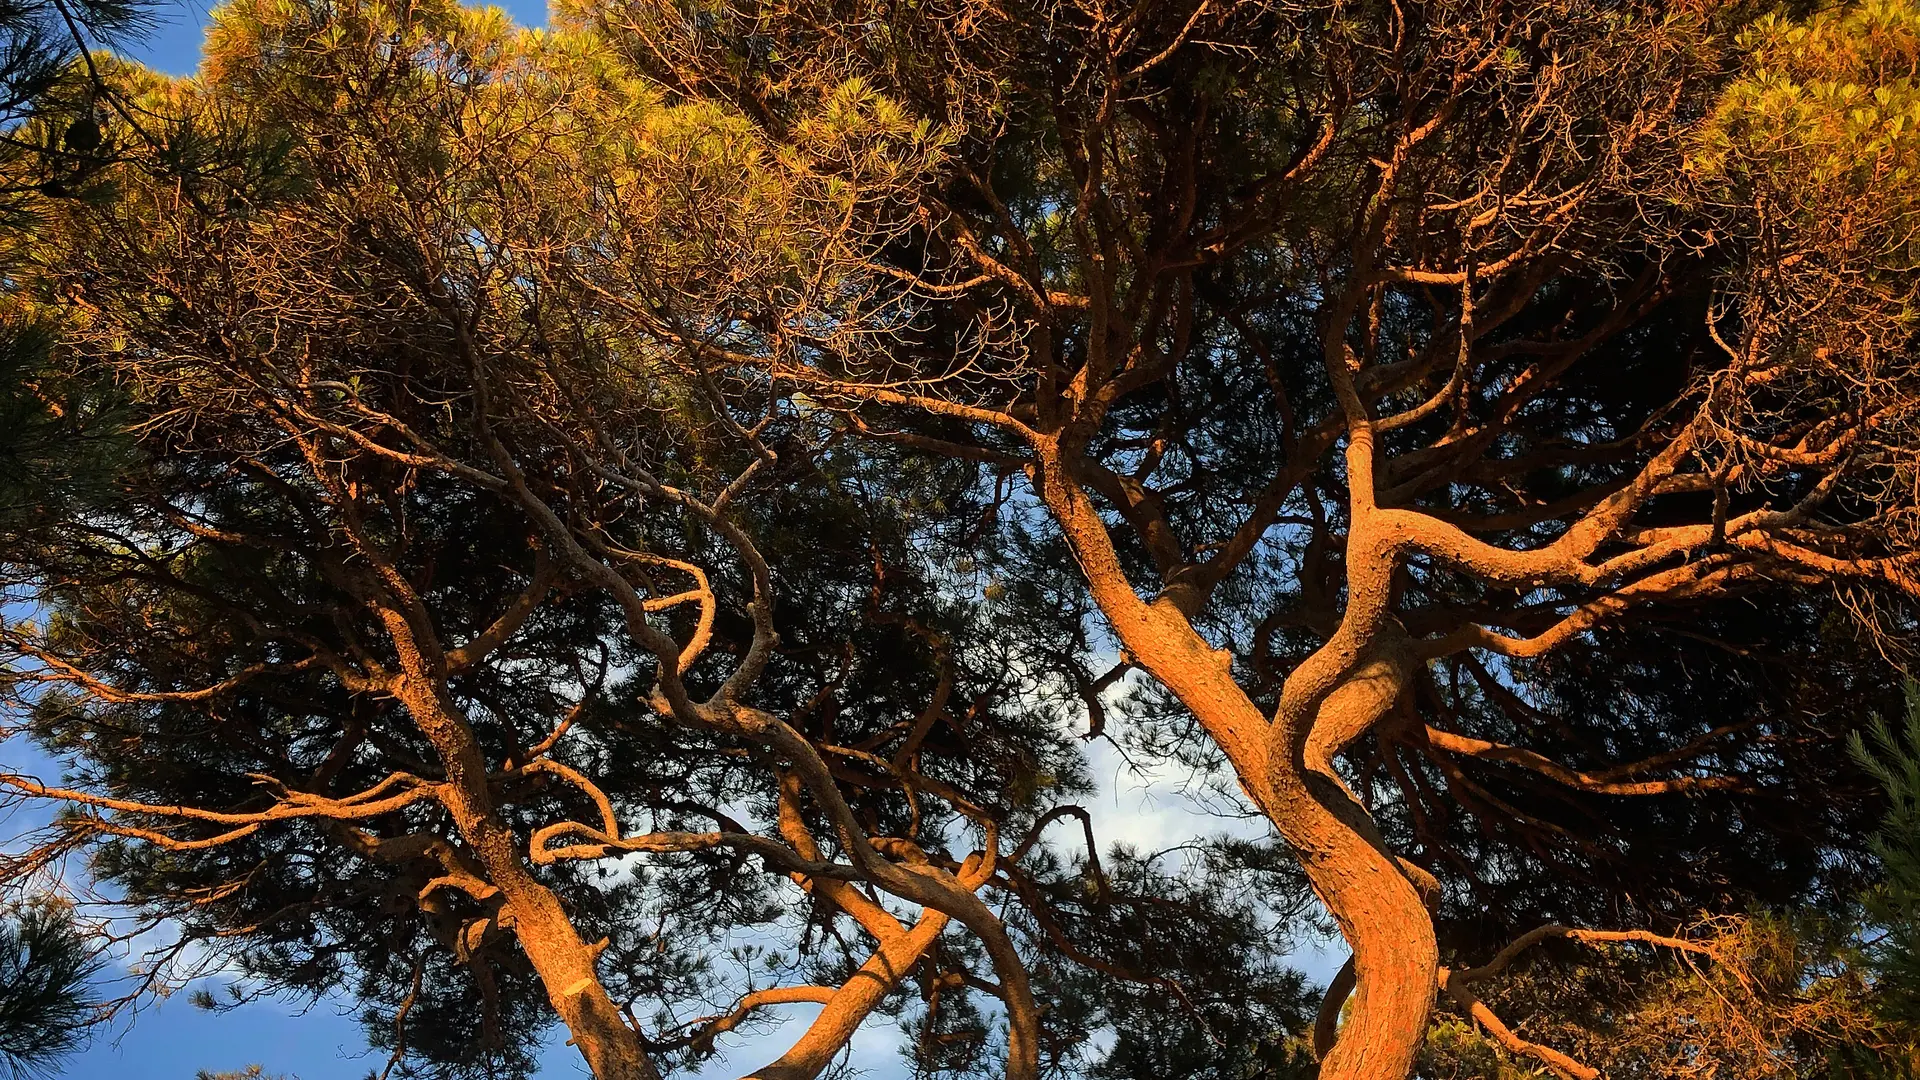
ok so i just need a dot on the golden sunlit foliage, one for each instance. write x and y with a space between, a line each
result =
649 522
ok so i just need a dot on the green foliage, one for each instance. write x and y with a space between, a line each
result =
1893 909
60 439
1828 104
1765 997
57 441
46 968
1457 1049
1817 142
387 264
41 45
1808 994
1199 934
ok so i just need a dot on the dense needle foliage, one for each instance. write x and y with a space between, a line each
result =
646 523
46 1003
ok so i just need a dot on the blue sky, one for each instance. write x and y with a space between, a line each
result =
174 46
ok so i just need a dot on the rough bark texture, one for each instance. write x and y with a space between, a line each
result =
565 963
1285 765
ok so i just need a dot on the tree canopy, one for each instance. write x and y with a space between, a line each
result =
636 524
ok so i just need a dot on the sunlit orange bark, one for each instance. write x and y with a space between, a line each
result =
1285 766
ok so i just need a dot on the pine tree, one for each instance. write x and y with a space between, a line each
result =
1893 909
622 488
66 119
46 967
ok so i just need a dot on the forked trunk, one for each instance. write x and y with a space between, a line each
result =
1285 764
1379 910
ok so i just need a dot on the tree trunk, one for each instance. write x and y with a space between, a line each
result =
1380 914
566 967
564 963
1379 908
1285 765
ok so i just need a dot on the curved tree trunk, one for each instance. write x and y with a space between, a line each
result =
1381 911
1378 908
1285 765
1381 915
